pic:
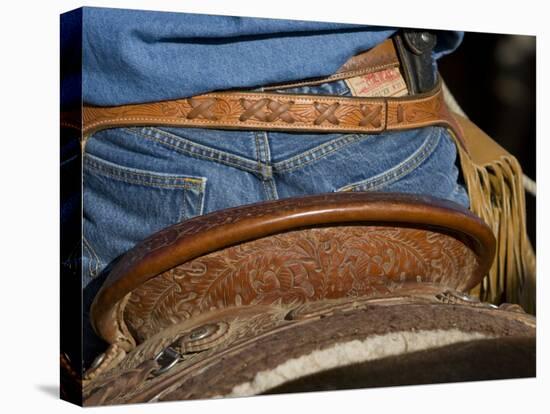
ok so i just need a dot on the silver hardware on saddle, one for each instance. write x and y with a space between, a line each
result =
167 359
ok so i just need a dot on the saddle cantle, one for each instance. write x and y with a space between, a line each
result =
232 302
291 251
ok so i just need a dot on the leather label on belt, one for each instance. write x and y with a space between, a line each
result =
388 82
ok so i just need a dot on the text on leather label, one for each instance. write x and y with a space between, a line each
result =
388 82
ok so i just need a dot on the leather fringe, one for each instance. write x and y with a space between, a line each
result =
494 182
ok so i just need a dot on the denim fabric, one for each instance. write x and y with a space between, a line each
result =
132 56
140 180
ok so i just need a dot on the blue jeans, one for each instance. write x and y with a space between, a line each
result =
140 180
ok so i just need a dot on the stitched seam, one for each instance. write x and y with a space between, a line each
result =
296 158
269 183
267 190
322 151
96 162
407 100
267 151
402 169
236 123
420 124
322 154
183 211
220 157
309 99
260 169
134 177
138 181
303 98
274 192
204 149
336 76
300 98
93 272
202 196
258 156
356 72
203 156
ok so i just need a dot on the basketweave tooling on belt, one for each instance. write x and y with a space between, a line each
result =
154 352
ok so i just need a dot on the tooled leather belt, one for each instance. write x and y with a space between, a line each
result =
269 110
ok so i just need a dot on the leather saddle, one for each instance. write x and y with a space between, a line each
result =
322 292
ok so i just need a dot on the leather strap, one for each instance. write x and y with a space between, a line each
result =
289 112
285 112
250 345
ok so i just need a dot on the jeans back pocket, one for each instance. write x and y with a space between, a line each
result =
428 167
123 205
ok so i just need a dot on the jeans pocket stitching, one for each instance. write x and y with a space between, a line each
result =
183 211
199 204
139 177
195 150
401 170
302 160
